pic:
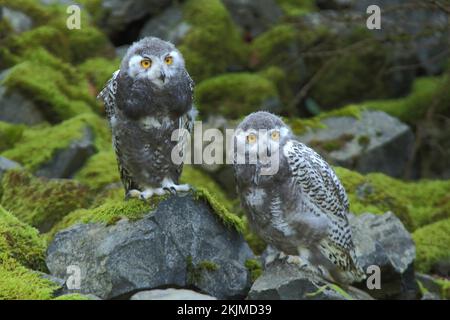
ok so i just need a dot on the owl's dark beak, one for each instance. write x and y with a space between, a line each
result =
162 76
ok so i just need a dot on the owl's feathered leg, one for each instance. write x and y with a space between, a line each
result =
170 186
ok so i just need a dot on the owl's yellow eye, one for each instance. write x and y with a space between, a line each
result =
168 60
146 63
275 135
251 138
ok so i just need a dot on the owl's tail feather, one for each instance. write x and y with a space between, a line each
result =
345 259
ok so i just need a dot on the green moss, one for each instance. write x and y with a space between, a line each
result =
254 241
426 92
20 283
100 170
445 288
98 71
38 145
55 87
295 8
200 179
415 203
111 211
211 27
41 202
195 271
254 267
432 243
21 242
332 144
9 135
228 218
364 141
234 95
72 296
272 46
50 32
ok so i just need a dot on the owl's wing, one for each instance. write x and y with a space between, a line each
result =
319 186
108 95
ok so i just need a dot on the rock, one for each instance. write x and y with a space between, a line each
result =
170 294
18 21
67 161
182 243
168 25
376 142
6 164
254 17
286 281
383 241
429 284
119 14
380 240
430 50
16 108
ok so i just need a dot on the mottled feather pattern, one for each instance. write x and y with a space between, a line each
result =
319 183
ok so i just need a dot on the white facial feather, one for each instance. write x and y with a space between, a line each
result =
157 68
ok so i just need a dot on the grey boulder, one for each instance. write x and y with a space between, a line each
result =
383 241
15 108
6 164
377 142
286 281
182 244
170 294
119 14
254 17
68 160
168 25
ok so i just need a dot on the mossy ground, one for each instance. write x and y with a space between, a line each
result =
415 203
9 135
432 243
21 242
37 145
41 202
234 95
222 35
20 283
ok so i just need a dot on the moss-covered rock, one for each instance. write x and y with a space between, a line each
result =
432 243
427 92
20 242
211 27
109 212
98 70
38 145
100 170
272 47
20 283
9 135
235 94
415 203
255 268
54 86
41 202
51 32
295 8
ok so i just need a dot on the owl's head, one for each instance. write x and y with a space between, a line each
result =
153 59
258 140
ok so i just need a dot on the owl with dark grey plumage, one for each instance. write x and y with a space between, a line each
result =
145 101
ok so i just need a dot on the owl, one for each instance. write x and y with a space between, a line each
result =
301 208
148 98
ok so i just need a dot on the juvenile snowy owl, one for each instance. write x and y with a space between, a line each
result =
301 209
146 100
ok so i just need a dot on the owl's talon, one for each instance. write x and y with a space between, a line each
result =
146 194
